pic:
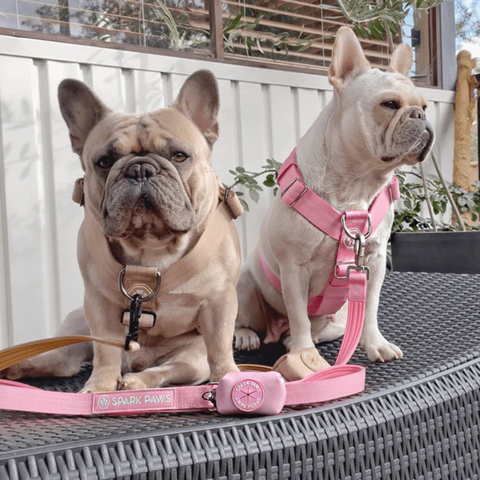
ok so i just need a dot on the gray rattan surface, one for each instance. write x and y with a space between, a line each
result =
418 418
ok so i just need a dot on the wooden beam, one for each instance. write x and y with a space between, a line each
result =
216 28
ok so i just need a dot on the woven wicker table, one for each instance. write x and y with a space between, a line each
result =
418 418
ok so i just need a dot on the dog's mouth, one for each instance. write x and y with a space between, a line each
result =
158 205
420 149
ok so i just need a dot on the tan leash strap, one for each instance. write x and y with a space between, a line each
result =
253 367
13 355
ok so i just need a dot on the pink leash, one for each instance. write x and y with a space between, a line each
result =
322 386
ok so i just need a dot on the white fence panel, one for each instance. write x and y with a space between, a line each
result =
263 114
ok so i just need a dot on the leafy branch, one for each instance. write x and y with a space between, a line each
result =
249 181
379 18
237 30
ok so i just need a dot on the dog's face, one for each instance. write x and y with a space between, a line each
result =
146 176
382 114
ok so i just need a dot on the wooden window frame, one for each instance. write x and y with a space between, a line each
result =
217 53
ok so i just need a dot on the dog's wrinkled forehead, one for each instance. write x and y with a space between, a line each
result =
161 132
374 86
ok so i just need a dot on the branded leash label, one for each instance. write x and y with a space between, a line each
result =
112 402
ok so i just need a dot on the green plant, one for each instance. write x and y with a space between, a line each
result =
248 180
239 31
379 18
408 214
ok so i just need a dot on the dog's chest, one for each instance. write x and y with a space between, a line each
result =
176 315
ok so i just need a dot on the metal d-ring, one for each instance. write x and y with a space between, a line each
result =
140 299
350 234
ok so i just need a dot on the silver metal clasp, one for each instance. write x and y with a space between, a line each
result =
359 247
140 299
351 235
209 396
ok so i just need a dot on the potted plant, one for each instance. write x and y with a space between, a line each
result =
419 244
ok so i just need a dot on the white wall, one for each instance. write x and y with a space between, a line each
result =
263 114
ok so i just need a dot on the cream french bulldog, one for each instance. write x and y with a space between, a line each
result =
374 124
149 182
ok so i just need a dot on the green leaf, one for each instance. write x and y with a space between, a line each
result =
240 170
254 195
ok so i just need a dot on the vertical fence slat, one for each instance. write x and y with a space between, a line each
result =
109 85
254 150
309 108
282 118
23 172
66 169
148 91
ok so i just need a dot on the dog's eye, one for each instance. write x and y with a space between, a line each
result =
392 104
424 107
179 157
105 162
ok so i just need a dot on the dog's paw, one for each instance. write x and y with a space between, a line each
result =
131 381
379 349
246 339
97 385
217 373
287 342
16 372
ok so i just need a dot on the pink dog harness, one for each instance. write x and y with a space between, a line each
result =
348 280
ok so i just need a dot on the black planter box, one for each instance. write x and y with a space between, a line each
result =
442 252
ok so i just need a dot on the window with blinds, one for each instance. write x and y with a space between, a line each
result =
179 25
278 33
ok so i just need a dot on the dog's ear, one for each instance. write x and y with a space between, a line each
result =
199 101
348 59
402 60
81 109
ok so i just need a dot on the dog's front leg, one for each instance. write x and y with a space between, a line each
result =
372 341
217 324
295 295
103 318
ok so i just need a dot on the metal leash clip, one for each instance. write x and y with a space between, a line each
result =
359 247
209 396
136 311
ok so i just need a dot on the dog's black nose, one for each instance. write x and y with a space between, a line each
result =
141 172
417 113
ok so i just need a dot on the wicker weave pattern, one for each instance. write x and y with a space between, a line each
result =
419 417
